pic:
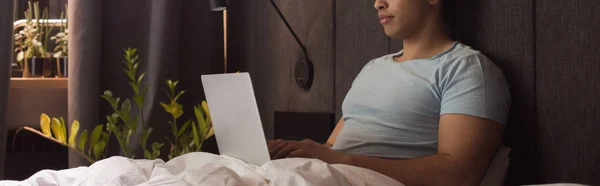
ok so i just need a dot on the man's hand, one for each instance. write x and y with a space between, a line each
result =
304 149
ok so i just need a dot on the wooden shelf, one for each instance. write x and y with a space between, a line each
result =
38 83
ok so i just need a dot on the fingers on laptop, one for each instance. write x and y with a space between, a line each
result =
273 143
288 148
276 146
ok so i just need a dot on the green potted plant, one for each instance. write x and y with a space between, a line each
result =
49 69
35 39
122 123
61 50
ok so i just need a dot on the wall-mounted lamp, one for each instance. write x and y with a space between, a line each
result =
217 5
304 70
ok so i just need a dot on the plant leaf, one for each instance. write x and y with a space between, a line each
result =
121 140
173 108
135 59
125 109
95 135
207 113
83 140
155 154
139 100
211 133
141 77
202 127
129 74
179 111
145 136
197 136
128 137
135 88
186 149
156 146
99 149
45 125
156 149
209 122
205 108
135 65
105 136
73 133
108 96
145 90
179 95
108 93
147 155
20 56
184 127
110 127
63 129
56 130
165 106
169 83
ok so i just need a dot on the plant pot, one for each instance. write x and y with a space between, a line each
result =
34 67
49 68
63 66
17 71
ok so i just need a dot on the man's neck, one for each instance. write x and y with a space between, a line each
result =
428 42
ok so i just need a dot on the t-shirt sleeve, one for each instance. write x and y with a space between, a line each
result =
362 71
475 86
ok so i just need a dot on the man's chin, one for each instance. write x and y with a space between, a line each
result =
394 35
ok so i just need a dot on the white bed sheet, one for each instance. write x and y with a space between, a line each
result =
207 169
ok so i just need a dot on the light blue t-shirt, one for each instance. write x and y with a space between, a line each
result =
393 108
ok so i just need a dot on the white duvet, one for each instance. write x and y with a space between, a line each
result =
207 169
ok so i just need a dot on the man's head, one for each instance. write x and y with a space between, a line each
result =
404 18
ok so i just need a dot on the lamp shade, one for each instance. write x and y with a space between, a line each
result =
217 5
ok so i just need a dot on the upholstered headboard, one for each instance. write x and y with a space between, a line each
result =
504 31
548 52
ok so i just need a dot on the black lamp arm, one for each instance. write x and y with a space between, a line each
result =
289 28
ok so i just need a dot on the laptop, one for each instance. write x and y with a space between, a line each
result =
236 121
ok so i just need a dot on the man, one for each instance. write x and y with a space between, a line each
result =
432 114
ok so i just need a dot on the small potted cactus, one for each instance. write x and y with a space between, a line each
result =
34 37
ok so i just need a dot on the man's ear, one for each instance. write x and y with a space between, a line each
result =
434 2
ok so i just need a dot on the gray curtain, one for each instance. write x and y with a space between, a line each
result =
178 40
6 19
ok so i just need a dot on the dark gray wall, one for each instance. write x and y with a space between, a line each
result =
568 90
547 50
260 44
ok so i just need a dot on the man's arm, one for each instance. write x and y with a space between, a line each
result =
335 133
466 148
281 148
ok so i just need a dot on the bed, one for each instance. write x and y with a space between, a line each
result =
206 169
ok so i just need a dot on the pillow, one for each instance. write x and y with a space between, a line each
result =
496 174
